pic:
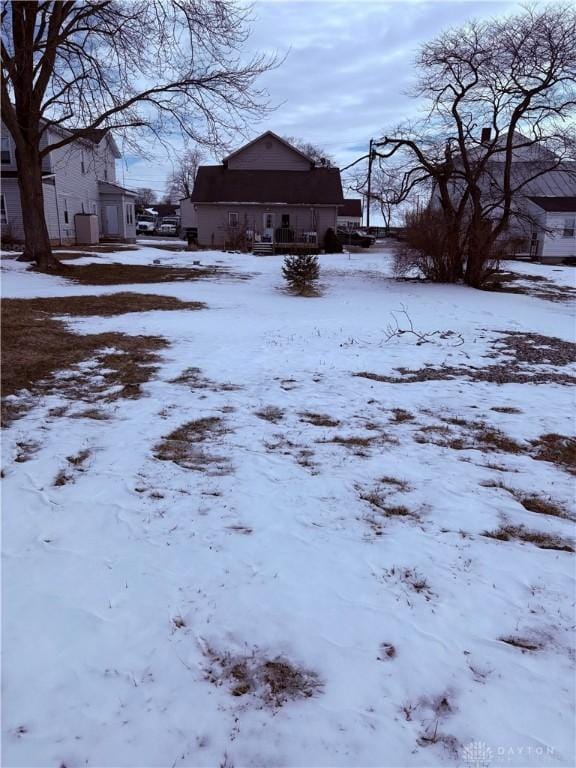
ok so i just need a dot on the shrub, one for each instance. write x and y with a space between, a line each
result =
301 272
331 242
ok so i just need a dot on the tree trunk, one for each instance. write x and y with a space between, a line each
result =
36 238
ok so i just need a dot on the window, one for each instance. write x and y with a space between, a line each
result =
285 220
232 219
105 174
129 213
3 213
82 163
569 227
6 154
66 217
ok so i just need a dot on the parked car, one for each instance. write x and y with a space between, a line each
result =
169 226
145 224
355 237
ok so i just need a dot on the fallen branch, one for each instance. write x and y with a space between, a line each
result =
395 330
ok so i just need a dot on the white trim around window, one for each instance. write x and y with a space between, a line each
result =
233 219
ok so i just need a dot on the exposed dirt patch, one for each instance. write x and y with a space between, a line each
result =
42 356
508 532
506 409
269 682
387 652
184 447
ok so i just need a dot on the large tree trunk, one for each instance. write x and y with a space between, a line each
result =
36 238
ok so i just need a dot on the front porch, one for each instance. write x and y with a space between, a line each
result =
282 240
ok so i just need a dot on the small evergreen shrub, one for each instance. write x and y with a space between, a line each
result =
331 242
301 273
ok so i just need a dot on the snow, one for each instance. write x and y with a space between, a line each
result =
96 673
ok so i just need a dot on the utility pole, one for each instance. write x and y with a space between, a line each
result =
369 195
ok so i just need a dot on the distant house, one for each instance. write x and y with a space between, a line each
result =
543 209
266 196
78 179
554 231
350 214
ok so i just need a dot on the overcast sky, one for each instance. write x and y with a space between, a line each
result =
348 64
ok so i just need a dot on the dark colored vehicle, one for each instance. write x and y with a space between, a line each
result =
355 237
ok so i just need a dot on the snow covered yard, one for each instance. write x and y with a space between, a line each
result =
287 551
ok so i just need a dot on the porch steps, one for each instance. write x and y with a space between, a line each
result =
263 249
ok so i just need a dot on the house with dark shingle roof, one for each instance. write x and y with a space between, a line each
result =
266 196
350 214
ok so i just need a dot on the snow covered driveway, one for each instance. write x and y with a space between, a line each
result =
270 560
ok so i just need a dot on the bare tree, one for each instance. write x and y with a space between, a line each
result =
516 77
180 182
145 198
318 155
76 69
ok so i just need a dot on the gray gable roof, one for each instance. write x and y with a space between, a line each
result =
318 186
556 204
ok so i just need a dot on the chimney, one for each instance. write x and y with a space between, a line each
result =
486 132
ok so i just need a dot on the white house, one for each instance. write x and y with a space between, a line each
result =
79 178
350 214
555 227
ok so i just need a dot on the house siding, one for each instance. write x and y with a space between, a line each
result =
268 154
77 169
554 245
213 229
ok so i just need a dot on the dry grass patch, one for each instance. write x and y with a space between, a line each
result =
183 446
527 350
400 415
508 532
506 409
270 413
195 379
96 414
271 682
104 306
26 450
318 419
534 285
396 482
129 274
523 643
557 449
411 579
42 356
532 501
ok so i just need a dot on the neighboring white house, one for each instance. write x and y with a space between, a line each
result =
79 178
546 191
350 214
555 227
